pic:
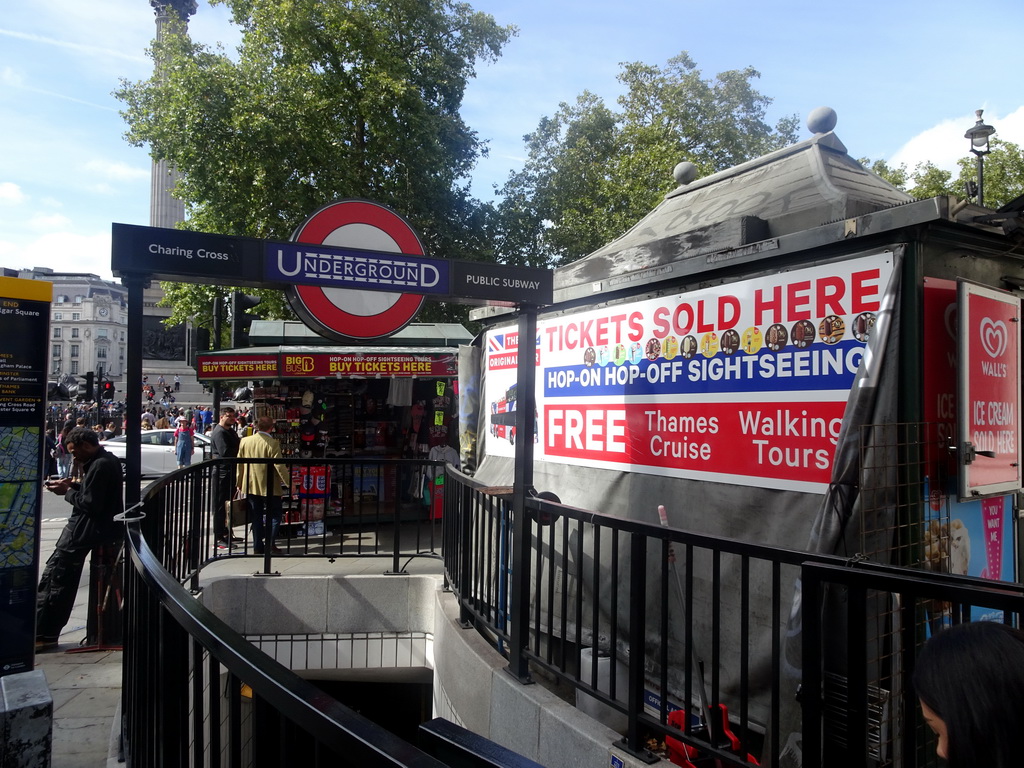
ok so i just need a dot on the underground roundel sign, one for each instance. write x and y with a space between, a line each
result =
345 313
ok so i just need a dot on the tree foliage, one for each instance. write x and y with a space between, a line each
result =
324 100
1003 175
592 172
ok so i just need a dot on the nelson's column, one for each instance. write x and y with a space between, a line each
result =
163 348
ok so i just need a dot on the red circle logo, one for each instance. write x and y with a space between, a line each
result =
345 313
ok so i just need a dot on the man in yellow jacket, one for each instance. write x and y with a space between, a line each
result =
262 483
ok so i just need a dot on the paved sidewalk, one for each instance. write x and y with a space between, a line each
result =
85 684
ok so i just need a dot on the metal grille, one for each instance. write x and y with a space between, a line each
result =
904 478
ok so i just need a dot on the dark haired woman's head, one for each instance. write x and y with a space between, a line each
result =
970 680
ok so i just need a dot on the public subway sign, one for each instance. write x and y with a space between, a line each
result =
989 424
173 254
744 383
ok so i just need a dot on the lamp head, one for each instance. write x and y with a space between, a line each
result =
979 134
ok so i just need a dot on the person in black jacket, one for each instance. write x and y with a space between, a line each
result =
224 445
94 501
969 680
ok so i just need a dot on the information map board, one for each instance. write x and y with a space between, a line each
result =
24 322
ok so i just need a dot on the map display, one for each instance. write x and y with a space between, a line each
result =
19 495
24 328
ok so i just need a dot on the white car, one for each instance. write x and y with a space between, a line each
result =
158 457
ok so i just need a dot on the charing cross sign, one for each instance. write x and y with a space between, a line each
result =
354 269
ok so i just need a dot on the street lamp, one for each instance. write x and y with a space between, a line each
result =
978 134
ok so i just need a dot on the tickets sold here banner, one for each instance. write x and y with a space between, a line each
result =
743 383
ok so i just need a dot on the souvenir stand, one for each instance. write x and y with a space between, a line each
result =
350 402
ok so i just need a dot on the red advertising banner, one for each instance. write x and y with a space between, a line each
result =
236 367
744 383
790 439
312 365
989 405
318 364
939 378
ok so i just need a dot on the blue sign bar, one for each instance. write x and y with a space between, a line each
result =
333 267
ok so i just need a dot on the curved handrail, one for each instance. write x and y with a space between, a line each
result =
331 724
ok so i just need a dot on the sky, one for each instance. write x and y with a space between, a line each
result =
904 78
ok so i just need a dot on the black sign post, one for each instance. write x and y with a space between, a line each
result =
140 254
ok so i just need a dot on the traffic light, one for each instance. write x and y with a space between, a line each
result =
241 318
87 393
108 390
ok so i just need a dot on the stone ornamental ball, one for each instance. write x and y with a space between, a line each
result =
684 172
821 120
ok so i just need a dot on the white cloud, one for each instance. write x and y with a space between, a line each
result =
10 193
62 252
72 45
116 171
944 144
48 222
9 76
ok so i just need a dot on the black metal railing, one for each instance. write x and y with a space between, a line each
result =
195 692
709 619
696 624
859 651
329 498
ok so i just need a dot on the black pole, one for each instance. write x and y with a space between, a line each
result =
215 344
136 284
526 407
981 180
99 396
236 340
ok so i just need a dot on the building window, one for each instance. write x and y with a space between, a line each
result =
56 367
74 333
74 367
76 315
122 335
101 333
61 299
120 353
101 353
56 333
56 350
58 316
74 350
78 299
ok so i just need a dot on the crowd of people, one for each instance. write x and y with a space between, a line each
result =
166 391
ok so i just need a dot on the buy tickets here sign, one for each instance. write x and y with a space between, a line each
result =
737 384
313 365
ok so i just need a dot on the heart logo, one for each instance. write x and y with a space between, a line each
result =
950 320
993 336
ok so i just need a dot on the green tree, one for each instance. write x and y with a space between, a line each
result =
1003 169
931 181
898 177
324 100
1004 173
591 172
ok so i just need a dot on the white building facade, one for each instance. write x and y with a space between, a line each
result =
88 324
